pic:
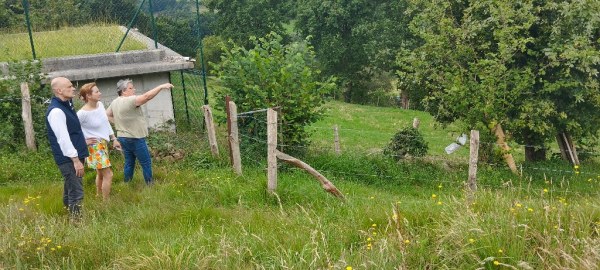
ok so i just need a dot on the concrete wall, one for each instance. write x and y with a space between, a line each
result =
159 111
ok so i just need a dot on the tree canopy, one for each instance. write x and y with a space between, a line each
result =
530 65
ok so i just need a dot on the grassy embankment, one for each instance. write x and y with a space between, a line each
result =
408 215
92 39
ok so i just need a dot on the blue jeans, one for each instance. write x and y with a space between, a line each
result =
136 148
73 189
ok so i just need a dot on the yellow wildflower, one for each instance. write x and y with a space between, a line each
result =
496 263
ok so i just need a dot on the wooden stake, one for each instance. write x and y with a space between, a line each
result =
227 101
210 129
27 118
234 141
416 123
501 140
271 150
570 149
473 158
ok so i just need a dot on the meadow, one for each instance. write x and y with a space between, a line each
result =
412 214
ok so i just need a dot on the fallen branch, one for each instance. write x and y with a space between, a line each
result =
326 184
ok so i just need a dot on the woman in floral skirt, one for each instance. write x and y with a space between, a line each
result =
97 132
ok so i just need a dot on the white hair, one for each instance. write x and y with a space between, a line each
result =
122 85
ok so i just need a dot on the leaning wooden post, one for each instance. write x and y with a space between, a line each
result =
271 150
501 140
473 158
27 118
210 129
326 184
416 123
336 140
234 139
227 101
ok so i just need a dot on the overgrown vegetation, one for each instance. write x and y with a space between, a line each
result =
274 75
408 142
12 133
408 214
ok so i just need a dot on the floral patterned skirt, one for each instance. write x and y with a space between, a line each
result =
98 158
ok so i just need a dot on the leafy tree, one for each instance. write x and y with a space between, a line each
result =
523 64
10 13
276 75
238 20
355 40
213 49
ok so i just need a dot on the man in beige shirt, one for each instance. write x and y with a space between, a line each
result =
131 127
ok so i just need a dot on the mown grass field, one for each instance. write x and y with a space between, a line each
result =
408 215
69 41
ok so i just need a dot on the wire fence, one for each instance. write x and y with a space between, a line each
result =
559 175
53 28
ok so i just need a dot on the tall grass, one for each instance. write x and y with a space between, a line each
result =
407 215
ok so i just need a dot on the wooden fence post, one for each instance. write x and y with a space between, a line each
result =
336 140
210 129
474 156
227 101
234 141
416 123
27 118
271 150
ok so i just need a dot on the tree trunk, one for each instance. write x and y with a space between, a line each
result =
404 100
562 147
534 153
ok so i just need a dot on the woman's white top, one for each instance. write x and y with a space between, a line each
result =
95 123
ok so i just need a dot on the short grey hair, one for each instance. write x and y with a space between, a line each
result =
122 85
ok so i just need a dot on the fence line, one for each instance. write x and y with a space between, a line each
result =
450 138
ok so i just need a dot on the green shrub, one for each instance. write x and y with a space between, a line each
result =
213 49
270 75
407 142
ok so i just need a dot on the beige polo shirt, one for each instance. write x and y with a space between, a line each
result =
130 121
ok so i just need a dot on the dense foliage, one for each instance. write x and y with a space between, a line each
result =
355 40
530 66
406 142
12 133
276 75
240 19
